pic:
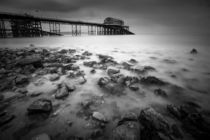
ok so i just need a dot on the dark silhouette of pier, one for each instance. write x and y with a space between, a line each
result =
17 25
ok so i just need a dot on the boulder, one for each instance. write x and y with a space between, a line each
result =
99 116
193 51
62 92
86 53
153 120
21 79
89 63
40 105
30 60
129 130
111 72
54 77
103 81
134 87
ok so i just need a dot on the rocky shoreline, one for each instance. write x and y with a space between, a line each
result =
62 72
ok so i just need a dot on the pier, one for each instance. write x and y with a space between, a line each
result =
17 25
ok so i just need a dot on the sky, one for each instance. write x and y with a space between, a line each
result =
190 17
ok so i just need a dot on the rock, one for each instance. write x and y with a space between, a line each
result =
54 77
42 136
30 60
70 86
127 65
93 71
140 70
134 61
35 93
6 118
1 97
103 81
21 79
86 53
129 80
134 87
129 130
128 117
160 92
118 78
21 90
172 109
70 123
63 51
114 88
40 105
151 80
67 67
74 67
62 92
153 120
111 72
194 51
99 116
90 63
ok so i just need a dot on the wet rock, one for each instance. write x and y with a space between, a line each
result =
114 88
40 105
103 81
133 61
142 70
30 60
21 90
117 78
105 59
111 72
93 71
67 67
128 130
86 53
62 92
72 51
42 136
21 80
75 67
128 117
54 77
63 51
153 120
127 65
193 51
70 86
160 92
129 80
90 63
99 116
6 118
151 80
172 109
35 93
134 87
70 123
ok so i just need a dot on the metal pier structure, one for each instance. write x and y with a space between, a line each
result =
17 25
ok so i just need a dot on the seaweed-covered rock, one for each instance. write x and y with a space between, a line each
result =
40 105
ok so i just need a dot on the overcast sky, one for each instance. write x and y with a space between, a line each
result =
144 16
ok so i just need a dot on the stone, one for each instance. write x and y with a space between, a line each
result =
30 60
151 80
103 81
114 88
21 79
72 51
99 116
21 90
70 86
89 63
63 51
54 77
129 80
40 105
153 120
86 53
134 61
111 72
127 65
93 71
35 93
129 130
193 51
160 92
42 136
62 92
134 87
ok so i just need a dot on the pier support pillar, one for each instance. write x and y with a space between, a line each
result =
2 29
